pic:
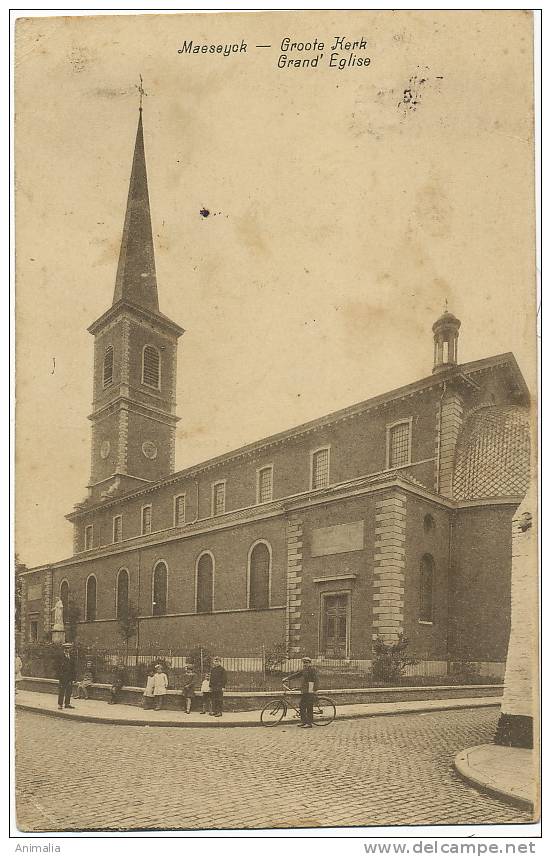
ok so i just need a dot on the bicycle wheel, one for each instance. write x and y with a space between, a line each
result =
273 712
324 711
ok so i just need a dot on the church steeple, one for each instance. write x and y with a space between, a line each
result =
136 280
134 404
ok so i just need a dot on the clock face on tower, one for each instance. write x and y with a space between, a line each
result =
149 449
105 449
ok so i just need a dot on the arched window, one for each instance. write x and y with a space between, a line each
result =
204 584
91 599
64 595
122 593
151 367
160 575
428 523
260 561
426 585
108 366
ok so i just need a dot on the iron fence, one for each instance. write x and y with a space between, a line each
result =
261 668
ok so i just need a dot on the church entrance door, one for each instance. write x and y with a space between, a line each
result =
335 624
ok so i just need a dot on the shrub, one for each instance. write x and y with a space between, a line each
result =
391 660
465 669
274 658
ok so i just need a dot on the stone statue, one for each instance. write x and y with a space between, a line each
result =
58 615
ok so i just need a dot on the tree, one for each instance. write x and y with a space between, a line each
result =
71 617
128 624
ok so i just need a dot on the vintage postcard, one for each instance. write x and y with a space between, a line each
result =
276 420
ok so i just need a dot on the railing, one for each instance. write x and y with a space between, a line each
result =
260 669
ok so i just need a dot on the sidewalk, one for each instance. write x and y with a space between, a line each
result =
94 711
509 773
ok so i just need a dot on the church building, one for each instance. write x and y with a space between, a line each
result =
391 516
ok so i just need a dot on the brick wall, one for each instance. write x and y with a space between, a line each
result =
229 548
236 634
481 583
428 641
357 448
450 420
352 573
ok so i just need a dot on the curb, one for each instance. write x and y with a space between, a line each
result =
463 771
208 724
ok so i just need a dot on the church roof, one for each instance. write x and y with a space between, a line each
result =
136 280
493 453
463 374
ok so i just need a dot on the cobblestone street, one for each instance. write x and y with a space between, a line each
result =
373 771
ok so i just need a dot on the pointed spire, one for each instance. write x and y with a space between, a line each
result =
136 278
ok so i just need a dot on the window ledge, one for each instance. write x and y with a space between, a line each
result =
424 622
334 577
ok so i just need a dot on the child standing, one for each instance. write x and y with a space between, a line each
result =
160 684
148 693
188 691
205 694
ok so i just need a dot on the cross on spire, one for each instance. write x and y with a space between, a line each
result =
141 90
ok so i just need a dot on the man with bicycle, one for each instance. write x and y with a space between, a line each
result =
308 687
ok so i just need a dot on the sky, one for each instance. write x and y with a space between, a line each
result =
346 205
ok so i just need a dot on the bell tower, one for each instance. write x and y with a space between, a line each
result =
446 334
135 349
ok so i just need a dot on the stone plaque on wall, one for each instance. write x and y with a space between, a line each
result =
34 592
341 538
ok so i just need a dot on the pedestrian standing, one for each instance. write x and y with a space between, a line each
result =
66 676
188 690
308 687
205 694
148 694
218 681
160 684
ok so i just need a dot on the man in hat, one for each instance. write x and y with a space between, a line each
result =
218 681
308 687
66 676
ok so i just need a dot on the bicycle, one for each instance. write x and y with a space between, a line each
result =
276 709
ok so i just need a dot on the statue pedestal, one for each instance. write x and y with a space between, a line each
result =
58 635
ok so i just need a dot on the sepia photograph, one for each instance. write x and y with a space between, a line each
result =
276 459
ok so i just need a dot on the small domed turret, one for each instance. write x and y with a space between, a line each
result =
446 333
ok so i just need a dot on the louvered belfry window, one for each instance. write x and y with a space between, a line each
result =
108 366
398 453
88 537
151 369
